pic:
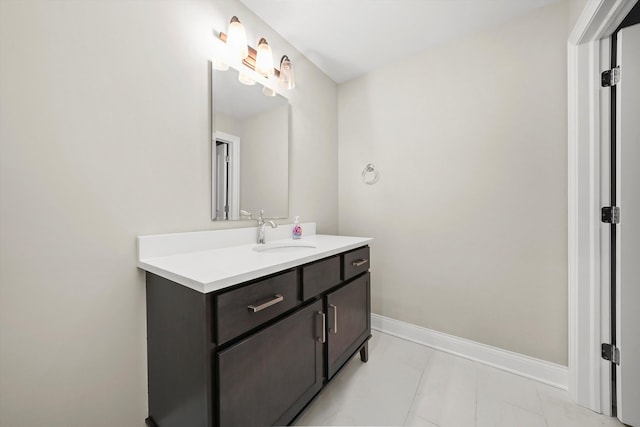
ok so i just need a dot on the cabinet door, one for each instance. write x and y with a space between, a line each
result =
269 377
348 321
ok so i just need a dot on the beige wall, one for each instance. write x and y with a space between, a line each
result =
575 9
469 215
227 124
264 157
104 135
263 162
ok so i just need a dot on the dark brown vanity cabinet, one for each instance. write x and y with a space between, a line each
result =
254 354
269 377
348 321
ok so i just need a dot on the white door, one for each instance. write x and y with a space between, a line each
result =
222 174
628 230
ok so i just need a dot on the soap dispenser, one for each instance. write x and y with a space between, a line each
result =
296 231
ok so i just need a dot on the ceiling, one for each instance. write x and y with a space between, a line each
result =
348 38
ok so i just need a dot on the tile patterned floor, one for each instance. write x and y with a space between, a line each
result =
406 384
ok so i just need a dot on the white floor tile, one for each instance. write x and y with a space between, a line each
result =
560 411
376 393
414 420
408 384
447 393
510 415
502 395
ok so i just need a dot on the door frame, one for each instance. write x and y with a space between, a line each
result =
587 127
234 175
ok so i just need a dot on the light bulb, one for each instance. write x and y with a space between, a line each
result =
287 79
219 64
267 91
246 79
264 59
237 48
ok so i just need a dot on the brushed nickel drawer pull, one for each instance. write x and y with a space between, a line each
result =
359 262
276 299
323 338
335 318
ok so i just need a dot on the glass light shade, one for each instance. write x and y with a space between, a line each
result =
237 48
264 59
246 79
287 79
267 91
219 64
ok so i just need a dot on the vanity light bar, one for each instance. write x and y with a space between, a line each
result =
250 61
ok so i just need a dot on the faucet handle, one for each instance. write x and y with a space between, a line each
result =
262 219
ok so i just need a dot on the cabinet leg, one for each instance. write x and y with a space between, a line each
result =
364 352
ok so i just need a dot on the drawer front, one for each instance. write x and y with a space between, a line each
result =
320 276
245 308
355 262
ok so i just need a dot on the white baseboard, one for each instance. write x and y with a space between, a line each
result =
526 366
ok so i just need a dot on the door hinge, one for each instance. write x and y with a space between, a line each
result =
610 78
227 159
610 214
611 353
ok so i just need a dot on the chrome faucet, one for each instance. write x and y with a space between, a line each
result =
261 226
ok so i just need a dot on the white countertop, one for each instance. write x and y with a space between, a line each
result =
208 270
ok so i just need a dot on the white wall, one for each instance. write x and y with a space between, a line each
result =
104 135
469 215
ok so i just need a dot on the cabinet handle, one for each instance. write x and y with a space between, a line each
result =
276 299
335 318
359 262
323 337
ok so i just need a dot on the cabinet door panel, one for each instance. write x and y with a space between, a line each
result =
349 323
269 377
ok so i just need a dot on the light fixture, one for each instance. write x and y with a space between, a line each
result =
259 61
237 49
264 59
267 91
246 79
219 64
287 79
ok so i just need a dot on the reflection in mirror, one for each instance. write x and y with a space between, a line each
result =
249 150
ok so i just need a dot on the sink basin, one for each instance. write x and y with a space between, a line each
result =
283 247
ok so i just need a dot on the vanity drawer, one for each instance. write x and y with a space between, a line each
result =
320 276
245 308
355 262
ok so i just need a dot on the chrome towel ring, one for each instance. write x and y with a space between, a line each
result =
370 175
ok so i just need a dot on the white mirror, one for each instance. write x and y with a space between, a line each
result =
249 150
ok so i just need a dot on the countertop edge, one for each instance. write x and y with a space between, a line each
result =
222 284
185 281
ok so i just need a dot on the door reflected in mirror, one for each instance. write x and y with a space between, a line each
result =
249 150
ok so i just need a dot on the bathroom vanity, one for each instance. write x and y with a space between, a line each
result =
241 334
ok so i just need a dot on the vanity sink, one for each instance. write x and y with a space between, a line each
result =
282 247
